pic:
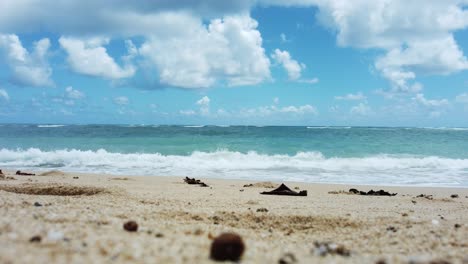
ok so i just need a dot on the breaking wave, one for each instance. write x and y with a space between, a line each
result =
50 126
302 167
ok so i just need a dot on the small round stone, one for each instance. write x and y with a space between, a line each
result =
227 246
36 239
131 226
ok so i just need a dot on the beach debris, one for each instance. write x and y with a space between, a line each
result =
35 239
327 248
262 210
288 258
457 226
159 235
130 226
195 181
371 192
227 246
284 190
429 197
381 261
435 222
392 229
454 196
24 173
413 201
76 177
1 172
37 204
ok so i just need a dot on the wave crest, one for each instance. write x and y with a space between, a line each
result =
303 166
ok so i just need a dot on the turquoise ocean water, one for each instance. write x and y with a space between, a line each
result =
360 155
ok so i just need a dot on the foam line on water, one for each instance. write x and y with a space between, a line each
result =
303 166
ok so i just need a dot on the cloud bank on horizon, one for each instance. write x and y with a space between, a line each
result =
208 43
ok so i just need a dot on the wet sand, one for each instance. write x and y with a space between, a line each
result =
79 219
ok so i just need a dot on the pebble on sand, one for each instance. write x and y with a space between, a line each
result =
227 246
288 258
36 239
131 226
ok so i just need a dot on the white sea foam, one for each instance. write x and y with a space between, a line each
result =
327 127
304 166
50 126
447 128
193 126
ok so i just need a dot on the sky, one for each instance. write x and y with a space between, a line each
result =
246 62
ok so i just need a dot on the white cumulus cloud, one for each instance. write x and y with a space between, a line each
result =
90 57
462 98
416 36
361 109
204 101
73 93
198 56
28 69
352 97
4 95
121 100
204 104
273 110
292 67
421 99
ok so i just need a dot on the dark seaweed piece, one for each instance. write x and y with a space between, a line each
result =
284 190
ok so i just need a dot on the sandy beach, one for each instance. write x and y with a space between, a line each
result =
79 218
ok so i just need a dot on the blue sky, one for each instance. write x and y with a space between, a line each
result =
263 62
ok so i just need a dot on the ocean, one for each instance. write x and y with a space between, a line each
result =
345 155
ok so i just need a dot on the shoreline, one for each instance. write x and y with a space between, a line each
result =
375 186
177 221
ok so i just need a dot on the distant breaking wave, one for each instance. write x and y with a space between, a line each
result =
327 127
50 126
301 167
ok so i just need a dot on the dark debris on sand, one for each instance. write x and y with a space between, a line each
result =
24 173
195 182
427 196
371 192
284 190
